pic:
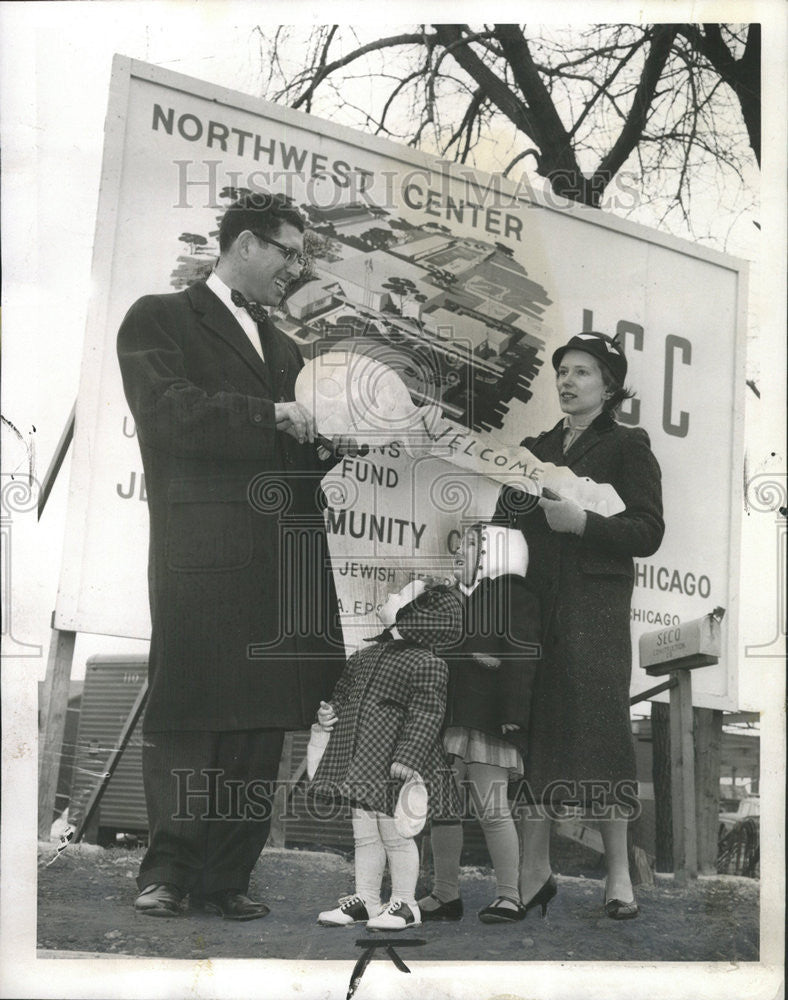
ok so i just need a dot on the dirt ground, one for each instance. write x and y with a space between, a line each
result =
85 905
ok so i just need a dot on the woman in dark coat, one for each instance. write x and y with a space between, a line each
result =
580 749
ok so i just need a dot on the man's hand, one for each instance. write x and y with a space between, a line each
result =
326 716
509 727
291 418
564 515
401 772
341 445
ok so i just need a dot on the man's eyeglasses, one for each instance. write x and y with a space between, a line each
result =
288 253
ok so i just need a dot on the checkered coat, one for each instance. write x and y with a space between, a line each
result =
390 702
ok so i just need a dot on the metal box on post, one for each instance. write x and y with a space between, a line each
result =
686 646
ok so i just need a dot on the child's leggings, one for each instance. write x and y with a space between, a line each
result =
376 839
488 786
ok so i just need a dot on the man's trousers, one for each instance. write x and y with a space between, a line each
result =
209 797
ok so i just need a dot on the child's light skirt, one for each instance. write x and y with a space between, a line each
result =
475 747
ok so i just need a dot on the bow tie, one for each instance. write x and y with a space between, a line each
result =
255 310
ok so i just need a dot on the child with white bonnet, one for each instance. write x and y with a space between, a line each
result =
491 679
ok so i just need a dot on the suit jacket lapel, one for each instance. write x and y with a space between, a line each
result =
270 341
214 314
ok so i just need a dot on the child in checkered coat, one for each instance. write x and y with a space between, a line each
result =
385 718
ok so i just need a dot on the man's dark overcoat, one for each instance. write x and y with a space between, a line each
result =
245 632
580 728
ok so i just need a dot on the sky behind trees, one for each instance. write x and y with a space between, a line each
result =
668 111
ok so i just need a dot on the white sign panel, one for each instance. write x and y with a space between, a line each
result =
464 284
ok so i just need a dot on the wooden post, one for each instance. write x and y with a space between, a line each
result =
54 703
276 836
682 775
678 650
660 772
708 748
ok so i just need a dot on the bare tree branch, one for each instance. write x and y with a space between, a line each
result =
548 129
661 42
604 87
521 156
467 118
395 94
323 71
582 103
742 75
495 88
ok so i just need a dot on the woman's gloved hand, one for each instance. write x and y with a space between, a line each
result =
564 515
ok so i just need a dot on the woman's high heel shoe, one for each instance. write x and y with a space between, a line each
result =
617 909
542 897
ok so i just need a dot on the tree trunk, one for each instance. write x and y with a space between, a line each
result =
748 91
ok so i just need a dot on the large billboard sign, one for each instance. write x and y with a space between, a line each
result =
461 282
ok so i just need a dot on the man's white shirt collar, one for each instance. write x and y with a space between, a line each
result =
248 325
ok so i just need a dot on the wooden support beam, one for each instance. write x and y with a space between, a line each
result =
682 779
653 692
112 761
52 724
708 749
276 835
57 461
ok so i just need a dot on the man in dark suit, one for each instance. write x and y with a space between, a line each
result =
245 637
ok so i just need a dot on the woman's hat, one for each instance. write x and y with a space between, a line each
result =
605 349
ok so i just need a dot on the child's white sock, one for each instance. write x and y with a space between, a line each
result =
370 859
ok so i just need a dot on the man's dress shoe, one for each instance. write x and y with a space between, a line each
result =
162 899
233 905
